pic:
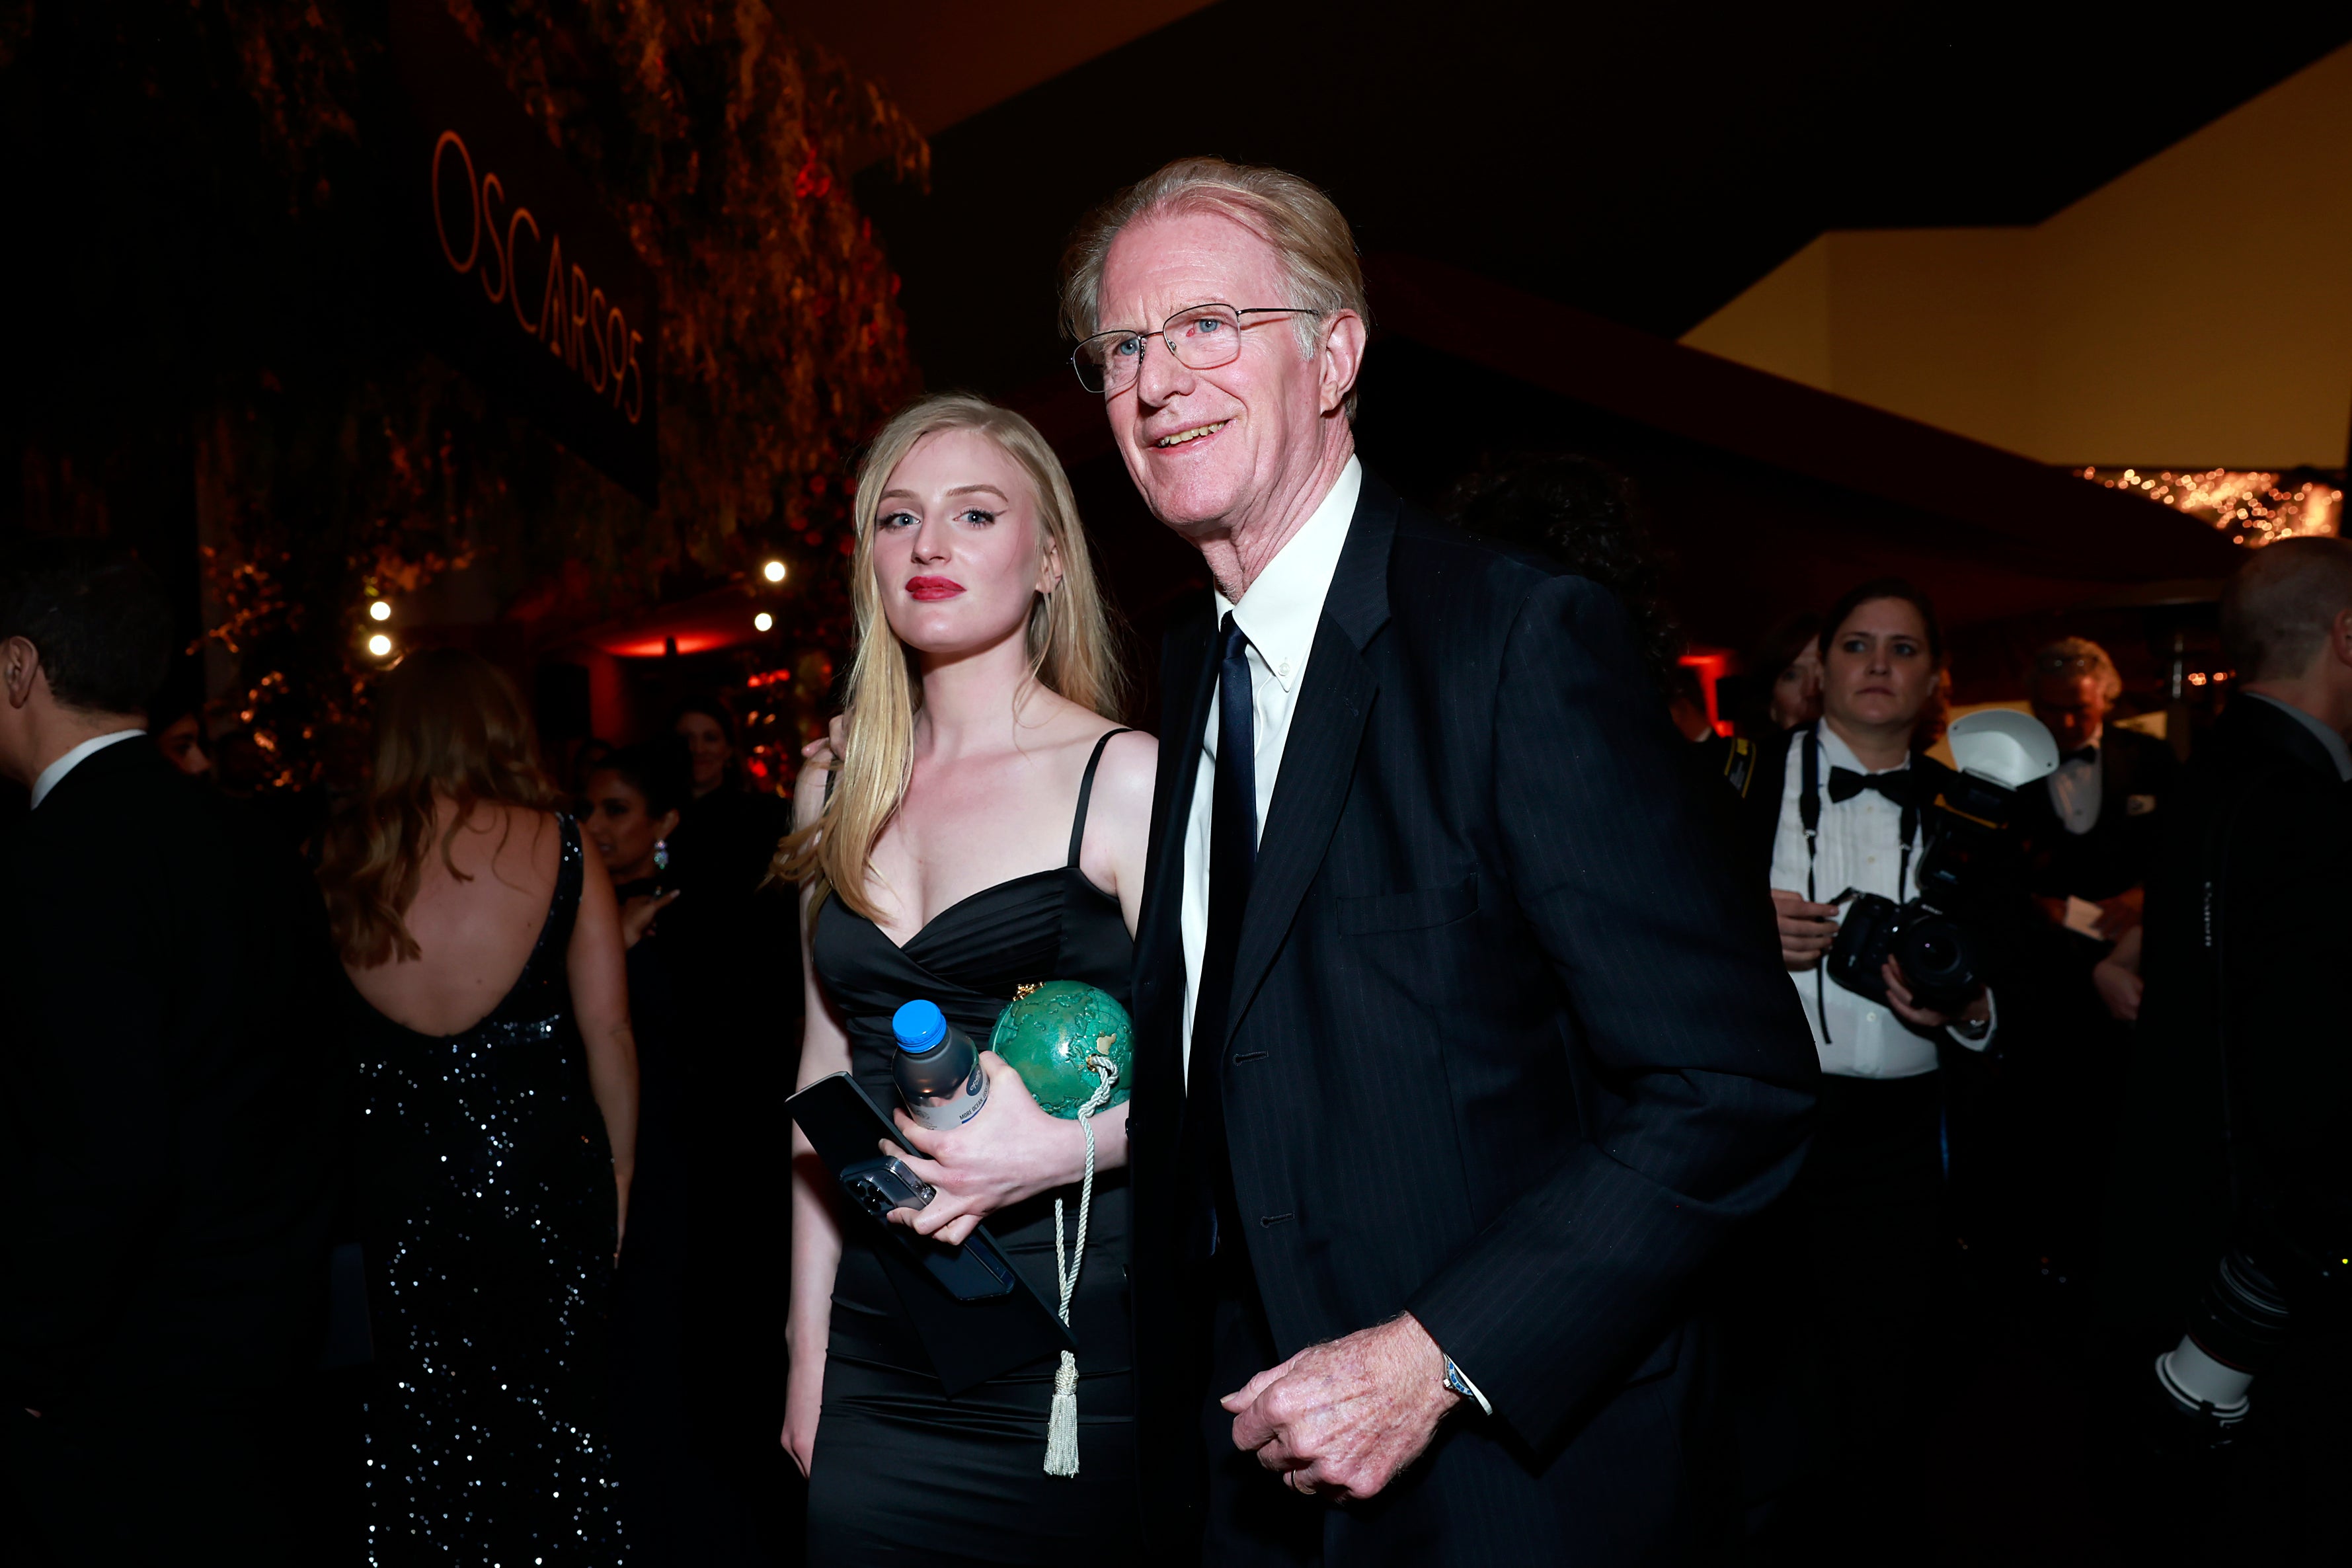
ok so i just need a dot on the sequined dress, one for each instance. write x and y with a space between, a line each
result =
486 1187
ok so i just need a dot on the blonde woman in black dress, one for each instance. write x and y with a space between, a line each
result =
985 828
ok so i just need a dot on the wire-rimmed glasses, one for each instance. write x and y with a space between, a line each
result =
1200 338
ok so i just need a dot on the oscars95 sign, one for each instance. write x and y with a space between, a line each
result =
520 278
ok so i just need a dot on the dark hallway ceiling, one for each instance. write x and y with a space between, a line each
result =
1643 163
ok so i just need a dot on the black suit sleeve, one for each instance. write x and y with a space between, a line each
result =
1664 952
91 1022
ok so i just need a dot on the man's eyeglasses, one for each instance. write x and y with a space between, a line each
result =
1202 338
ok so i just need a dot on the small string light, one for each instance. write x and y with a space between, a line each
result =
2249 503
379 611
763 621
773 571
380 645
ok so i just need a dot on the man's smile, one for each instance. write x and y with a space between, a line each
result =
1179 437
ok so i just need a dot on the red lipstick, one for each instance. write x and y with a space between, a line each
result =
930 589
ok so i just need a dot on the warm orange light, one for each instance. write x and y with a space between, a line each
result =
380 645
379 611
2195 678
773 571
763 621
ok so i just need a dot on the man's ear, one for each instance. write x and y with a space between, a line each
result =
20 670
2339 636
1342 358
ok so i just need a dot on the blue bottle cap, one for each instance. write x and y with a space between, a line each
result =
919 1025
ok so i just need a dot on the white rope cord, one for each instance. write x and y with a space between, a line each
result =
1062 1425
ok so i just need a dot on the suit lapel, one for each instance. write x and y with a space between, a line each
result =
1318 758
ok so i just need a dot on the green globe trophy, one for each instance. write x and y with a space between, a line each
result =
1048 1033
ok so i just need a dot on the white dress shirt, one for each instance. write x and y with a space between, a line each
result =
1860 847
72 760
2074 790
1278 615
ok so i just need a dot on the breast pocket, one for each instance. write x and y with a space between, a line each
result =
1415 908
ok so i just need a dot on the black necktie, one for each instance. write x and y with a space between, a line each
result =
2081 755
1232 858
1845 784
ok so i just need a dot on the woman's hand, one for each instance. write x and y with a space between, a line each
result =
803 1400
1011 1151
1898 997
1806 929
638 914
827 750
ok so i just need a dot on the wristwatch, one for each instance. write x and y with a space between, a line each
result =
1465 1387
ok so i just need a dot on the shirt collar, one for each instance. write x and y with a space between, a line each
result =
2337 752
57 770
1285 602
1838 754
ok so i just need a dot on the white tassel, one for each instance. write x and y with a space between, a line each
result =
1062 1424
1062 1430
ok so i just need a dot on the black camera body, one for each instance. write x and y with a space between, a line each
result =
1971 871
1942 962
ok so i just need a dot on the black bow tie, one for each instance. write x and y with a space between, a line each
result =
2080 754
1845 784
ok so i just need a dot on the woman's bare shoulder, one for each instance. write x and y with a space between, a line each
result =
1130 766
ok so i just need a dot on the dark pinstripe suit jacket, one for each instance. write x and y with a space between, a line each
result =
1511 1047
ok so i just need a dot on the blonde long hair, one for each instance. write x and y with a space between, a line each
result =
1073 647
447 723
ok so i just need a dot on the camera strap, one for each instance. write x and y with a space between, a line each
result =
1808 817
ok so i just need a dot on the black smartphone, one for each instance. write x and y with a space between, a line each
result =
846 1129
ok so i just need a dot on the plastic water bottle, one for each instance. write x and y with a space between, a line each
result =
937 1067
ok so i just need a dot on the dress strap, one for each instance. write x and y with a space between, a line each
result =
1086 793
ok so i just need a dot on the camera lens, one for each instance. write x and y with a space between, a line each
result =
1936 950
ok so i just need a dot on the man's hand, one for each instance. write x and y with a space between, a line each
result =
1898 997
1806 929
1342 1418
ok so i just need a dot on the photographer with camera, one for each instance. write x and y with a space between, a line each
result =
1848 805
2230 1208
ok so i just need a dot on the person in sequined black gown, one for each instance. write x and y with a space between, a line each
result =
497 1134
985 828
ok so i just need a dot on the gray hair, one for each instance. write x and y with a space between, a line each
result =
2075 657
1309 237
2277 611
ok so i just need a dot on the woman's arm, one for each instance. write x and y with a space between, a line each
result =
597 967
1013 1150
816 1230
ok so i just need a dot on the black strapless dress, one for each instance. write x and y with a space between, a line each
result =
902 1473
486 1212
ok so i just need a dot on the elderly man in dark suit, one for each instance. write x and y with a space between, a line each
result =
1463 1045
166 1082
2097 822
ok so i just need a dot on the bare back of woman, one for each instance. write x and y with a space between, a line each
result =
477 928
